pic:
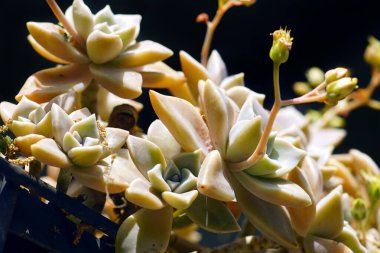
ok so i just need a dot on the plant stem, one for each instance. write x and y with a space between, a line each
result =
211 26
261 147
64 180
66 24
304 100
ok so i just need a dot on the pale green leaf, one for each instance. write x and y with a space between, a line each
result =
329 209
212 215
61 123
85 156
212 181
103 47
313 244
349 237
156 179
239 95
232 81
140 193
142 53
24 143
121 82
194 71
83 18
87 127
51 38
216 67
48 152
145 231
183 120
271 220
145 154
188 181
160 135
277 191
69 142
180 201
243 139
189 160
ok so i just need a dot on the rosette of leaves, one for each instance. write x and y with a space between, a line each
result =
216 71
229 136
99 47
165 180
91 154
30 121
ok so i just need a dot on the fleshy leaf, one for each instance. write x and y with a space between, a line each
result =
232 81
313 176
160 135
188 181
313 244
157 180
145 231
48 152
83 18
6 110
125 84
189 160
239 95
87 127
182 120
24 108
283 154
21 128
85 156
103 47
25 142
112 176
349 237
212 181
61 123
69 142
159 75
271 220
180 201
212 215
218 115
216 67
329 209
51 37
115 139
277 191
46 84
302 217
145 154
142 53
362 161
43 52
139 192
243 139
193 70
44 126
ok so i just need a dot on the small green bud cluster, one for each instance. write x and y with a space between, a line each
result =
359 210
374 189
282 43
340 89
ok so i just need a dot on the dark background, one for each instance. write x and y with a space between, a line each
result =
327 34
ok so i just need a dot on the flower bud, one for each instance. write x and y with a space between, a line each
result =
358 210
374 189
282 43
340 89
301 88
315 76
372 52
336 74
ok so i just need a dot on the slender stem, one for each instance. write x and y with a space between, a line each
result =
66 24
211 26
261 147
316 90
304 100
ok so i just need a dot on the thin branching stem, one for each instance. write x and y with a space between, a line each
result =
66 24
211 27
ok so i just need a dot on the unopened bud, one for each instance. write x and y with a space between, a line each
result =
336 74
374 190
372 52
358 210
315 76
301 88
340 89
282 43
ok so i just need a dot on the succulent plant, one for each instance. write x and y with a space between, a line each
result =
100 47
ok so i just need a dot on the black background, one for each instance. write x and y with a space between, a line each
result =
327 34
